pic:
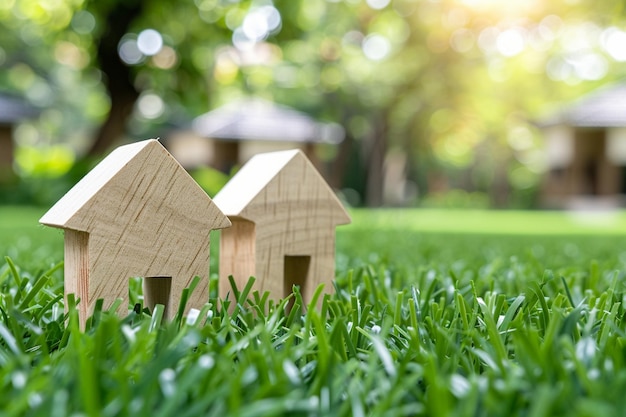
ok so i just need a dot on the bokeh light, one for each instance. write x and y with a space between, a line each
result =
511 42
378 4
128 50
83 22
462 40
149 42
150 106
71 55
376 47
166 58
256 26
613 41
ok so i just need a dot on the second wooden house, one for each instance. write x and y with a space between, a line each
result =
283 218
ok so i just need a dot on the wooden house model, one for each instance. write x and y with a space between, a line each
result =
283 218
136 214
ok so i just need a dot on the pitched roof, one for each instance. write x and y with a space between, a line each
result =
14 109
262 172
128 174
605 107
258 119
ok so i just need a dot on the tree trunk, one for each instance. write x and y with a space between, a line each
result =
340 163
375 163
118 77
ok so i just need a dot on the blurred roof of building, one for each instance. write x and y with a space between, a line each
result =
259 119
604 107
13 109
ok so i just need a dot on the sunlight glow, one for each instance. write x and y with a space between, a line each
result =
511 42
255 28
378 4
580 37
550 27
588 66
257 25
487 40
503 9
613 41
462 40
241 41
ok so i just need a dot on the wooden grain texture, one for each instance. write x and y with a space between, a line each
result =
143 216
77 265
279 206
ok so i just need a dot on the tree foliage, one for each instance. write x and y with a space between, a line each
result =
449 86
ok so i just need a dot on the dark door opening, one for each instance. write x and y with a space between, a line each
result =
296 272
156 290
591 178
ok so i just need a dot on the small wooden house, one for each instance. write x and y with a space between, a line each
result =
586 151
283 218
136 214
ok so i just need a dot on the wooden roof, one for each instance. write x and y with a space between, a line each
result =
132 175
274 180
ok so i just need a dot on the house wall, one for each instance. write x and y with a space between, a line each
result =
192 151
150 219
294 213
589 171
237 251
249 250
559 145
150 245
616 145
273 244
225 155
76 270
189 149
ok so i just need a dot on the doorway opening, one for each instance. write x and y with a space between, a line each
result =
157 290
296 272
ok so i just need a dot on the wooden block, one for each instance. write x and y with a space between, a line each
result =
137 213
284 216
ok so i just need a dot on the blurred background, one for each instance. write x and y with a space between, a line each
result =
430 103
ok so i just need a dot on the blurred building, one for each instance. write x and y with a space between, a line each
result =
12 111
586 152
230 135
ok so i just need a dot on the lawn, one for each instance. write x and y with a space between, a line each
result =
436 313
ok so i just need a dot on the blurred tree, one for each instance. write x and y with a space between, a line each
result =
113 20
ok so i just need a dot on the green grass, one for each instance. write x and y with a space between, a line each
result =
436 313
28 243
533 223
